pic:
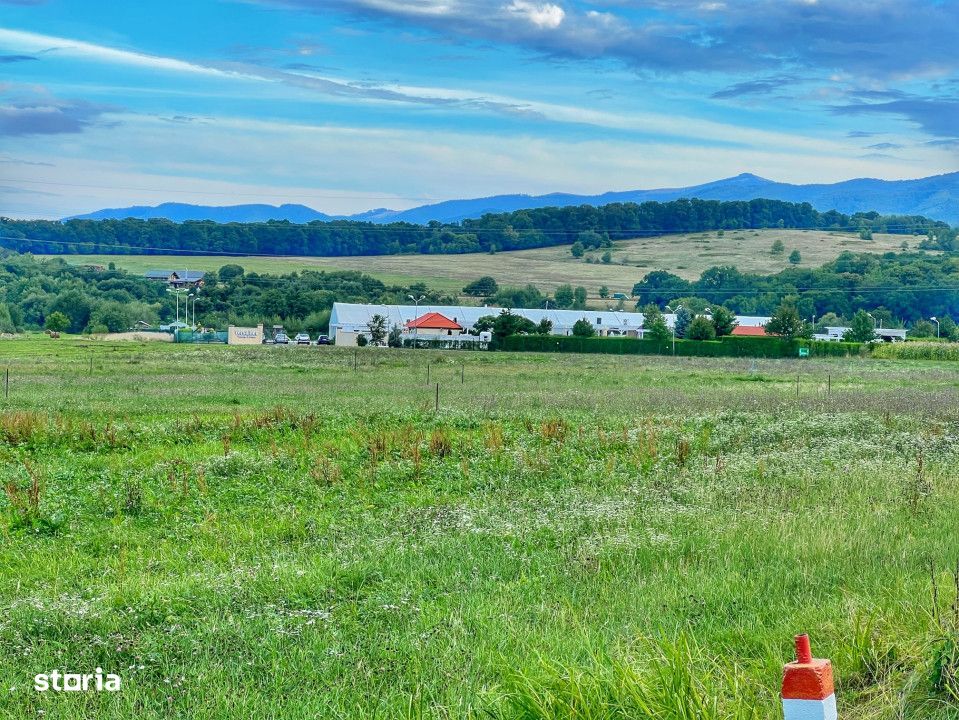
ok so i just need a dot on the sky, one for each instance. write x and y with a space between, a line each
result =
348 105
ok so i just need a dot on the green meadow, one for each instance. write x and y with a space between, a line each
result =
282 532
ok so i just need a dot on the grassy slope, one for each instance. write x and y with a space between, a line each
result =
686 255
263 532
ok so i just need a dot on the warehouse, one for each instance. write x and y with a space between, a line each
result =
349 320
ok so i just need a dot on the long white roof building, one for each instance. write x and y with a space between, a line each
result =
354 317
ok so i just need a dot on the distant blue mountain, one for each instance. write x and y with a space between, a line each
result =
936 197
178 212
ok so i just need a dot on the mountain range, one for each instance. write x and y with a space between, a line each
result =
935 197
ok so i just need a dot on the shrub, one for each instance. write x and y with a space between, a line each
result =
701 328
583 328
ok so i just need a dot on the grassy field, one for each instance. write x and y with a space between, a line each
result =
271 533
685 255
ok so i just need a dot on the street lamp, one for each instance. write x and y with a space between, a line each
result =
937 326
678 307
176 293
416 304
195 298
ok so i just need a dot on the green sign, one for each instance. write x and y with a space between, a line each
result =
803 352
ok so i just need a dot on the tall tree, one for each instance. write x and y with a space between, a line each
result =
786 323
861 329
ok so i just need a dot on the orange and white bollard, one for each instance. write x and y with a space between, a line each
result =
808 692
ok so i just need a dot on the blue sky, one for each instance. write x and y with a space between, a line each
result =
346 105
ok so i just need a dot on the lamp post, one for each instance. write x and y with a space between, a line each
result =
937 326
176 293
674 311
195 298
416 304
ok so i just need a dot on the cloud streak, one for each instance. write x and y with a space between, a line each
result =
861 37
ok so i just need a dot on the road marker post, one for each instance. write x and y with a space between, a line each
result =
808 692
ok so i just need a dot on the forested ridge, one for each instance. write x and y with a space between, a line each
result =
517 230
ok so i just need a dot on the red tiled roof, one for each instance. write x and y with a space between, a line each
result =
749 331
433 321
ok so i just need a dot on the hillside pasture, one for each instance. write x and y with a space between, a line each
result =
687 255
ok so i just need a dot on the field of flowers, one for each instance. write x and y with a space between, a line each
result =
300 533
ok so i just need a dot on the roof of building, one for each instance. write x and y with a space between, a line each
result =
749 331
433 321
184 275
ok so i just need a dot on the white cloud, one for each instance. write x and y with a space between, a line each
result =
546 16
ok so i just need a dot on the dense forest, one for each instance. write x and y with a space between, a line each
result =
505 231
895 287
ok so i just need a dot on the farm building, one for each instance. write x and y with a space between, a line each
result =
177 278
349 320
836 334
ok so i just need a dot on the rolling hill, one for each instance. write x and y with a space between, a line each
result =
936 197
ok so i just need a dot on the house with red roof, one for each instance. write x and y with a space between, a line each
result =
749 331
432 324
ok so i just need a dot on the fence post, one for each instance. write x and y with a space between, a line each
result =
463 374
6 385
808 692
437 408
354 359
427 372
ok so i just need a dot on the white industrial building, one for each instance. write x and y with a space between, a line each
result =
836 334
349 320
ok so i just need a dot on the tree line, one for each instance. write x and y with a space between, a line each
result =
521 229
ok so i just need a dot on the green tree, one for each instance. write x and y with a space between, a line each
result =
564 296
395 338
948 328
922 329
778 247
786 323
607 257
114 316
861 329
654 324
377 329
507 324
76 306
682 322
603 291
230 272
55 322
484 324
701 328
724 321
6 321
795 257
579 298
361 341
583 328
590 239
865 233
482 287
545 327
577 249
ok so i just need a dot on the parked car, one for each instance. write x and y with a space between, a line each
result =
302 339
281 339
323 340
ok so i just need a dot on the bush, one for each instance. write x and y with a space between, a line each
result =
583 328
361 341
730 346
701 328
